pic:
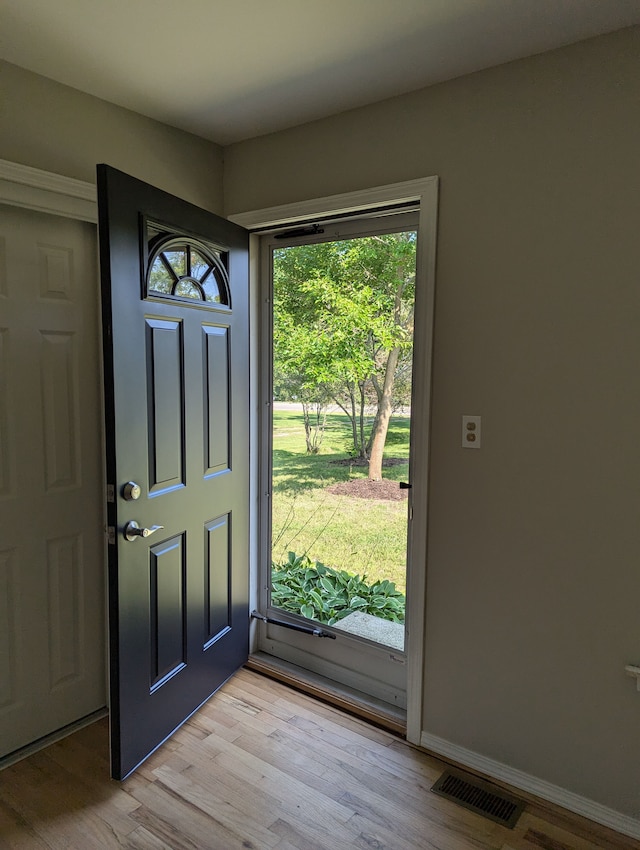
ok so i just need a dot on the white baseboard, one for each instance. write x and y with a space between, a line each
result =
545 790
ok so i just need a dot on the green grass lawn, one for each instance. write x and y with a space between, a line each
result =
357 535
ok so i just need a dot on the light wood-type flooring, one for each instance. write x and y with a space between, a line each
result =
262 767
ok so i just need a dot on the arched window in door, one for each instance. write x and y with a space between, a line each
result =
180 267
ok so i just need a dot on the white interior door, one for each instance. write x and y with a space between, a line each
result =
52 625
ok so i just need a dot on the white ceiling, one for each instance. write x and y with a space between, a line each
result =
232 69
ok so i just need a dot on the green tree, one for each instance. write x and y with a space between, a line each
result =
343 326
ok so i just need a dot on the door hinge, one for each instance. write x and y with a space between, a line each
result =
111 535
111 493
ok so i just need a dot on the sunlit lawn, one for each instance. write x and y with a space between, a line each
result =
358 535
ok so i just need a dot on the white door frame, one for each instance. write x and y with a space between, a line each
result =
425 191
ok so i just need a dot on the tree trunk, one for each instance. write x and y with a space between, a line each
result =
381 425
351 415
314 430
362 447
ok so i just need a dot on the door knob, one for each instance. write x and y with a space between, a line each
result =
133 530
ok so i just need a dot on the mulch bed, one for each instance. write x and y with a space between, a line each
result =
360 461
362 488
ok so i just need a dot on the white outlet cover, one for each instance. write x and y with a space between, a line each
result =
471 432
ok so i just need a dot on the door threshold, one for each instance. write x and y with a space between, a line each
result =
355 702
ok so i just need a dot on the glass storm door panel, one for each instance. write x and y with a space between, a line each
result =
341 337
175 313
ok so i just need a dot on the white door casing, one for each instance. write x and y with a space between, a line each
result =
425 192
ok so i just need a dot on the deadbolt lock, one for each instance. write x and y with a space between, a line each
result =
131 491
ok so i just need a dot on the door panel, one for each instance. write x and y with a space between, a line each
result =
217 399
175 294
165 399
52 635
168 595
217 579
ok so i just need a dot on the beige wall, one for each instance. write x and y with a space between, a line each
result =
50 126
534 551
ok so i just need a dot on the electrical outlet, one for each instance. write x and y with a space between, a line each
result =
471 432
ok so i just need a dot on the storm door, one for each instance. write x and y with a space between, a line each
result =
338 328
175 316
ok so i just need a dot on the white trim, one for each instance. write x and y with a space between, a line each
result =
411 190
424 190
532 785
33 189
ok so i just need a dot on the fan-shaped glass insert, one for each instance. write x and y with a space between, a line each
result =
185 268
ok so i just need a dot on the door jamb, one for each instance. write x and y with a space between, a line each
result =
424 190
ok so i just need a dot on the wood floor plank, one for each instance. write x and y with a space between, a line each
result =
418 829
543 835
307 702
222 811
543 816
16 833
180 824
262 767
294 758
55 811
351 772
296 839
142 839
395 799
366 730
281 785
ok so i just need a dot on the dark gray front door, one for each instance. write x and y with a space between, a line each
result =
175 324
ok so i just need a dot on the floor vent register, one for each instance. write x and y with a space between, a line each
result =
479 797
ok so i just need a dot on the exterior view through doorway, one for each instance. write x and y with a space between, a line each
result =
339 331
342 356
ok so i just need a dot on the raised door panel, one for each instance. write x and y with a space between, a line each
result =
168 610
8 629
218 578
65 610
165 403
217 379
60 412
6 432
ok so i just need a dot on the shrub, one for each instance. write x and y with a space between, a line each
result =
327 595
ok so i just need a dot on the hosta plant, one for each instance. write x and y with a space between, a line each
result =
326 595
